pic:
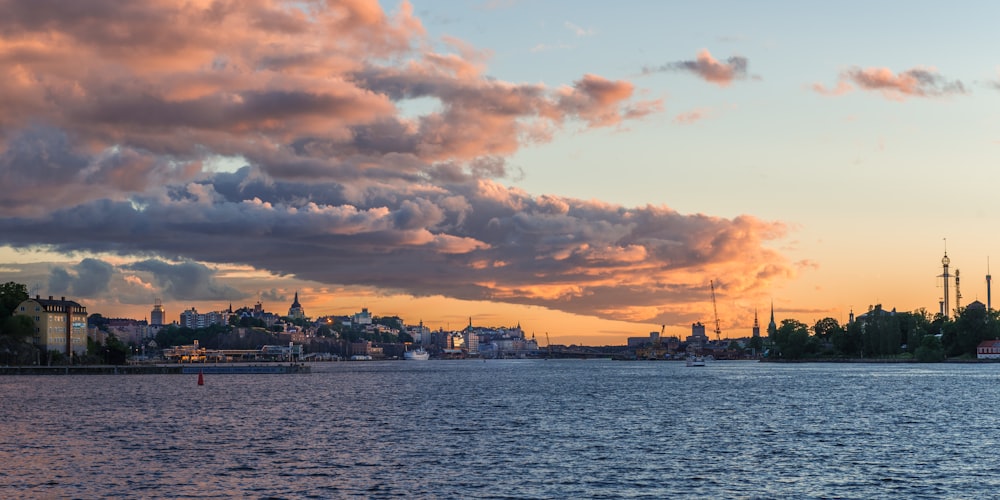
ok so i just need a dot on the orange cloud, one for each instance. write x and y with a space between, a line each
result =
916 82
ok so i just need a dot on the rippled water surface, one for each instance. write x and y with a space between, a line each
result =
509 429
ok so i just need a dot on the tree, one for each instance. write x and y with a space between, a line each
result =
792 339
115 351
11 295
827 328
972 325
930 350
18 327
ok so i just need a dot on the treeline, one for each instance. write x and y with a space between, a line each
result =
888 334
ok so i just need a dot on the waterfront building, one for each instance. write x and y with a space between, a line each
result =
60 325
472 342
421 334
698 337
296 311
988 349
756 325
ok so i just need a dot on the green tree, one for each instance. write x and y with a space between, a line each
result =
972 325
18 327
115 351
389 321
826 328
930 350
11 295
792 340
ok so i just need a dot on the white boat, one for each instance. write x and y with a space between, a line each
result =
695 361
417 355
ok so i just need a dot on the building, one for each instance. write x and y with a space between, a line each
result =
988 349
60 325
472 342
698 338
362 318
756 325
296 311
158 316
193 319
772 327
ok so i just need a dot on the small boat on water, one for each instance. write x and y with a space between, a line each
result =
695 361
419 354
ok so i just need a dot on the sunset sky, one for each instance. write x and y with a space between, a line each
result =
581 168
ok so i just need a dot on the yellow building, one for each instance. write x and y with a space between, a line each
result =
60 325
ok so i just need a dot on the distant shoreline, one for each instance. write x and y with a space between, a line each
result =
160 369
879 361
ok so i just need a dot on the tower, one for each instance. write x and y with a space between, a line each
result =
756 325
772 328
989 304
958 292
944 304
296 311
158 314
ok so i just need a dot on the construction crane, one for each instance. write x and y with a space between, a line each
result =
718 329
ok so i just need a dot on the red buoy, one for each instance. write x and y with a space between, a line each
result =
201 378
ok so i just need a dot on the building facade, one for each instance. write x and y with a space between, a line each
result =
60 325
296 311
193 319
158 316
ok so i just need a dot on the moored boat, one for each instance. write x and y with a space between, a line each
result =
419 354
695 361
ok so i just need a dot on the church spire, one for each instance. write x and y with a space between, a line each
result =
756 324
772 328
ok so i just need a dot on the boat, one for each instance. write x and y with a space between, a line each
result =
419 354
695 361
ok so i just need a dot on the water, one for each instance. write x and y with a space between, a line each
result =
509 429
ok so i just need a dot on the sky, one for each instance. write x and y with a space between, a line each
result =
586 170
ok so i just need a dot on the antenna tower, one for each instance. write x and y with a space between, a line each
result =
958 292
989 304
718 329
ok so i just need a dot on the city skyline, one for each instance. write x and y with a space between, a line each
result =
587 172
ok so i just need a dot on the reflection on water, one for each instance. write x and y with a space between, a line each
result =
521 429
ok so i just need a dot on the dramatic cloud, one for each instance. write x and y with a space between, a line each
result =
186 281
708 68
89 278
110 114
917 82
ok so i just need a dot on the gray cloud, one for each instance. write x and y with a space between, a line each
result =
90 278
707 68
187 281
463 240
